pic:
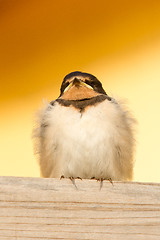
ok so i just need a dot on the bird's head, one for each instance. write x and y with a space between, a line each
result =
79 85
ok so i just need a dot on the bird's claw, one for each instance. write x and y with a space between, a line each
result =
101 180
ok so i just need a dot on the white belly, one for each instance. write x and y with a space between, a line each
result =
85 148
85 145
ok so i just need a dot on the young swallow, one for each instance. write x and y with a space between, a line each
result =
84 133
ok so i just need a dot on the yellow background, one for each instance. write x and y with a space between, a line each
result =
42 41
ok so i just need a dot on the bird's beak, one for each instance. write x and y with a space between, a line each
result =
77 83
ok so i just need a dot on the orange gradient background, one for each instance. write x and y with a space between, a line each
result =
42 41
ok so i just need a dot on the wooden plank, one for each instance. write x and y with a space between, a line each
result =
36 208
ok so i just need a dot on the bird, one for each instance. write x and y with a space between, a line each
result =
85 133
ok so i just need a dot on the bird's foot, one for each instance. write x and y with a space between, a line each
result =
72 180
101 181
110 180
79 178
70 177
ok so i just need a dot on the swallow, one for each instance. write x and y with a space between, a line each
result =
85 133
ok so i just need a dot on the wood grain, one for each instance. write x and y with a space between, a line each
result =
36 208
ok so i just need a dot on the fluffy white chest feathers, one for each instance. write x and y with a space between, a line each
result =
95 143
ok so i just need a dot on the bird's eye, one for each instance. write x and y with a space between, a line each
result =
64 85
87 85
67 85
91 84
